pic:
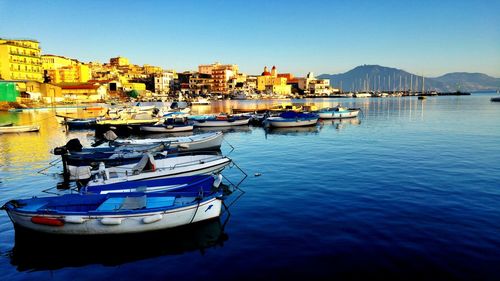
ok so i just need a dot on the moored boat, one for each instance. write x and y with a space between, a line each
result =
337 112
292 119
206 141
19 129
113 213
6 124
169 125
221 120
81 123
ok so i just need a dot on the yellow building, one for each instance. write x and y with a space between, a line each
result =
119 61
271 82
54 62
20 60
65 70
129 86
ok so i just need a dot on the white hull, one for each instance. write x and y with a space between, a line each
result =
166 129
134 223
221 123
166 168
338 115
196 142
291 123
19 129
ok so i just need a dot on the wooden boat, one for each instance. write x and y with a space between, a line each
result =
337 112
169 125
19 129
221 120
150 168
113 213
206 141
292 119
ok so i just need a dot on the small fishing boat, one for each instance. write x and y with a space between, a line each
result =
150 168
169 125
221 120
113 213
292 119
337 112
19 129
189 183
81 123
206 141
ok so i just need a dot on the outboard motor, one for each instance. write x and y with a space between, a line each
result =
71 145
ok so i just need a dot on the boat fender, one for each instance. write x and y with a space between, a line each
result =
184 146
170 127
217 181
152 219
47 221
74 219
111 221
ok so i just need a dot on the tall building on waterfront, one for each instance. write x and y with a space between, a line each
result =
270 81
20 60
221 74
65 70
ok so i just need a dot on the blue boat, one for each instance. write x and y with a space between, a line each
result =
188 183
113 213
292 119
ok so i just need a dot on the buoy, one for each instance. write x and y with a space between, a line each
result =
74 219
152 219
47 221
111 221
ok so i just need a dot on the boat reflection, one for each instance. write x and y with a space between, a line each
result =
339 123
33 251
293 131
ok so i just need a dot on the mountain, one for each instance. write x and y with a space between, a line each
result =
387 79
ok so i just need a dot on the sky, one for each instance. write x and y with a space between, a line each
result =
423 37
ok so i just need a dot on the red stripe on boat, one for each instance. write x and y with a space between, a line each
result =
47 221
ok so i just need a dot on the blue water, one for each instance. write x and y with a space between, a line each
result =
409 190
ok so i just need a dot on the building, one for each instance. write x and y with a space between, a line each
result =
46 92
20 60
8 91
207 68
200 83
164 82
311 85
59 69
271 82
119 61
84 92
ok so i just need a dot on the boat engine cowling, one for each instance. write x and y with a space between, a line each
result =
71 145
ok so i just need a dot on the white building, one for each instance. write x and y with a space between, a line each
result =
164 82
314 86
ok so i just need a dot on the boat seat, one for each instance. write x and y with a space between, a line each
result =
111 204
159 202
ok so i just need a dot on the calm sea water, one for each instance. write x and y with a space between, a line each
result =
409 190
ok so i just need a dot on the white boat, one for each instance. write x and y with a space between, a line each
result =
362 95
292 119
169 125
337 112
204 141
221 120
19 129
149 168
114 213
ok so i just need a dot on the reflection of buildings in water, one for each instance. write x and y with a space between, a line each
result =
34 251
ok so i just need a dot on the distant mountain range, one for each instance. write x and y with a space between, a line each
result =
387 79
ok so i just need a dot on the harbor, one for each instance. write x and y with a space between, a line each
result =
308 188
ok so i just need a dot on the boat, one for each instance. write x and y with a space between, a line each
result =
189 183
422 97
19 129
338 112
113 213
221 120
169 125
201 101
286 107
206 141
6 124
81 123
150 168
362 95
292 119
495 99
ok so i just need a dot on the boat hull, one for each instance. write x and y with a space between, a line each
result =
19 129
338 115
279 122
166 129
220 123
120 224
205 141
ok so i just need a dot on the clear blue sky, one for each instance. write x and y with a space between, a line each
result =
429 37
